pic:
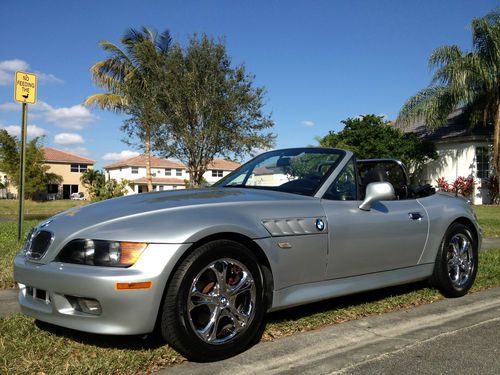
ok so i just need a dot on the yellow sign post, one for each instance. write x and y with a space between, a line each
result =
25 88
24 92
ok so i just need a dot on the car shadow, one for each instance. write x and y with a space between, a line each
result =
344 302
130 342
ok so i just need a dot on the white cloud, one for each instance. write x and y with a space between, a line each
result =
48 78
33 130
122 155
75 117
308 123
68 138
9 67
11 106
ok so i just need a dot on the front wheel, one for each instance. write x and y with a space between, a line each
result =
457 262
215 304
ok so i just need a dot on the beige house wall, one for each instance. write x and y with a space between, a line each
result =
69 178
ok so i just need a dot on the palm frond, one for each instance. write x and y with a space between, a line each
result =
430 105
164 41
112 102
115 51
443 56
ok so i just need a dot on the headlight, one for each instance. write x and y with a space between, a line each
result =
101 253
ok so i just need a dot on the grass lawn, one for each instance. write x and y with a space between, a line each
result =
489 219
38 210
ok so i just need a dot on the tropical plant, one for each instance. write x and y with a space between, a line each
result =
112 189
370 136
37 175
131 78
461 79
99 188
462 185
210 108
93 180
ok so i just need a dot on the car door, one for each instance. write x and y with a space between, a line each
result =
391 235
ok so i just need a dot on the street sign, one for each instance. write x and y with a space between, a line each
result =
25 88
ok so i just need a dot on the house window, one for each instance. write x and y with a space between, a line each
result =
168 172
78 167
216 173
135 170
482 162
178 172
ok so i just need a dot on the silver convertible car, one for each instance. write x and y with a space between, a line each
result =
202 267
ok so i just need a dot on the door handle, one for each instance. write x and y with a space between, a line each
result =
416 216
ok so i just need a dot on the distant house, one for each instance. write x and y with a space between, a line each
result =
70 167
463 151
219 168
167 174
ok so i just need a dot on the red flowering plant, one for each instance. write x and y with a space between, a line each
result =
462 185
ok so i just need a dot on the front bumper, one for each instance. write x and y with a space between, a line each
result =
124 312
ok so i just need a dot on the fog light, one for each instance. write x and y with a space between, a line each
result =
85 305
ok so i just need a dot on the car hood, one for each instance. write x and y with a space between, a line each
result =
178 216
148 203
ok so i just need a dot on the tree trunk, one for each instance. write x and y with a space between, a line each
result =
149 178
496 142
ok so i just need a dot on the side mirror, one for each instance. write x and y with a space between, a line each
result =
377 191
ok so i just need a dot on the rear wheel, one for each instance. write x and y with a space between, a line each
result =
215 304
457 262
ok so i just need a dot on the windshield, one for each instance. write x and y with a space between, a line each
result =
298 170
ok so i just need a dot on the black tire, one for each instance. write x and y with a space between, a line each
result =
183 327
445 276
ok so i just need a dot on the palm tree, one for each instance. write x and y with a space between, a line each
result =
467 80
92 179
129 77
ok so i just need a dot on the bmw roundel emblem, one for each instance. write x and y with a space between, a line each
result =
320 224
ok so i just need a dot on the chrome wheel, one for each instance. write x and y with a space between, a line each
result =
221 301
460 260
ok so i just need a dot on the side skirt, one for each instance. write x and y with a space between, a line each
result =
313 292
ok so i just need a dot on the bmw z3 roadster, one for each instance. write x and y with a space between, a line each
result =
203 266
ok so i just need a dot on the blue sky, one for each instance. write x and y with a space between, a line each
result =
320 61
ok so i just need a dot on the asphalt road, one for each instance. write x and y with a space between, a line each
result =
470 350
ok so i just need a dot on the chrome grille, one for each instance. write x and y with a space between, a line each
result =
38 244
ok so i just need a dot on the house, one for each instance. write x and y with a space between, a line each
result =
219 168
167 174
70 167
6 188
463 151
